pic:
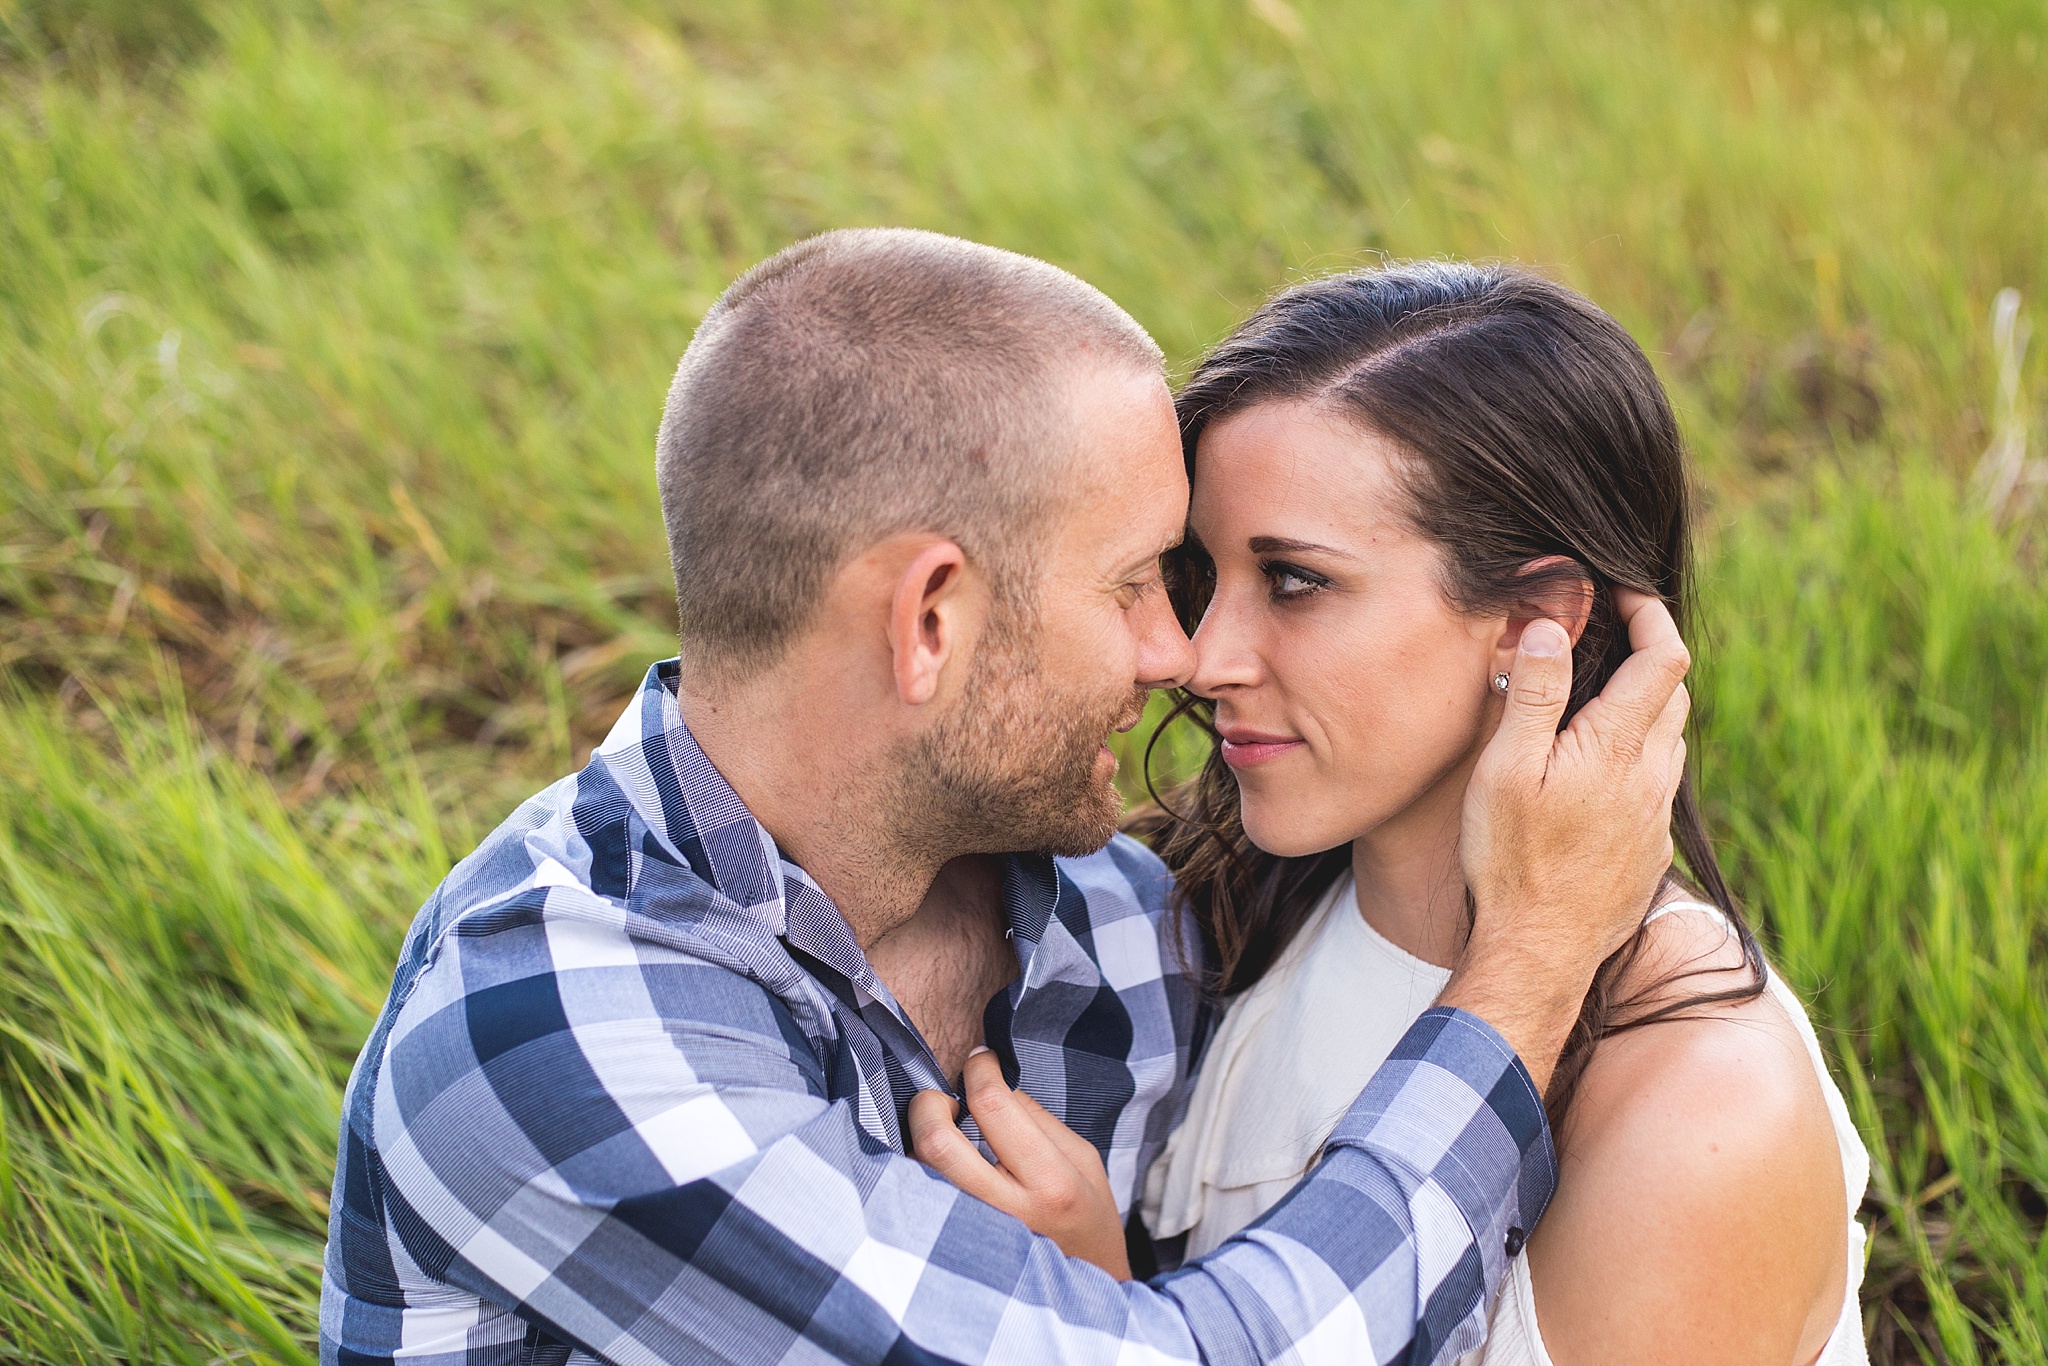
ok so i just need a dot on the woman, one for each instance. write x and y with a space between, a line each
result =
1394 473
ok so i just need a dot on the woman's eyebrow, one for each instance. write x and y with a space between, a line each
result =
1267 545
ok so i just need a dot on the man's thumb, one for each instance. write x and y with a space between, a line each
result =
1538 689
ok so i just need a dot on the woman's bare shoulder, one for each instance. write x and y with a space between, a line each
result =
1699 1155
1737 1070
1687 951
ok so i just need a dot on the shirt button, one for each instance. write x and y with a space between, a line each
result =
1515 1240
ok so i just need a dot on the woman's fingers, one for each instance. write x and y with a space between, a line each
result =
1072 1146
1645 617
1050 1177
1031 1145
936 1141
1007 1122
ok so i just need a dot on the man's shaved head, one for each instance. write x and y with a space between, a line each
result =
855 386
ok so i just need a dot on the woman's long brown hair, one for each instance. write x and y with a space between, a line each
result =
1534 427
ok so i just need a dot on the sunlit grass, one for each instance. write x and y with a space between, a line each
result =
186 972
333 334
1874 753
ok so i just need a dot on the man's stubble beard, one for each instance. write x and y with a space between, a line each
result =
1014 767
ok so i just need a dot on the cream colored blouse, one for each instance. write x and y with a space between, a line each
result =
1295 1050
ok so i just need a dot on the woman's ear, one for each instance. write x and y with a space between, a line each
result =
1560 590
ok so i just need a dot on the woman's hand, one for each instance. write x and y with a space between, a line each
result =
1046 1175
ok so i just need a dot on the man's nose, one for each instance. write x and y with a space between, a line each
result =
1166 658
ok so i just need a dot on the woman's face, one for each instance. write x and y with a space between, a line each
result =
1348 689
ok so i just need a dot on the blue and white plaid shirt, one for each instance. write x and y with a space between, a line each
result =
637 1096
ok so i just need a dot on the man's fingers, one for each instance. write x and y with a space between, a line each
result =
937 1142
1636 696
1667 733
1647 620
1010 1128
1538 689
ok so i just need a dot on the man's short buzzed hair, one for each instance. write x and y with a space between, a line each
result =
858 385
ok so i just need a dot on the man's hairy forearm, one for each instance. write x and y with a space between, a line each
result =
1531 1005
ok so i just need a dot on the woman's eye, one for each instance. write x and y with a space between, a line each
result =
1289 582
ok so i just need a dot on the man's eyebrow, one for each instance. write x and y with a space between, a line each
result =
1139 562
1267 545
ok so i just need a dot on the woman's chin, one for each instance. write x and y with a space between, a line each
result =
1288 835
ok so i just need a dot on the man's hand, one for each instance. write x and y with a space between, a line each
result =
1048 1176
1567 834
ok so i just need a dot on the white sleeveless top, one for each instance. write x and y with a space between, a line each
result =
1294 1051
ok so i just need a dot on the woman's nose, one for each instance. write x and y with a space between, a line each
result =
1226 654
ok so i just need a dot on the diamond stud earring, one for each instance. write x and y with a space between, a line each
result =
1500 683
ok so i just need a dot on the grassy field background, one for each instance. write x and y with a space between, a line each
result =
333 336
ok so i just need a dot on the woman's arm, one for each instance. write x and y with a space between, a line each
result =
1700 1205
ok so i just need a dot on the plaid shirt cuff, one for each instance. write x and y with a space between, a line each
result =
1456 1118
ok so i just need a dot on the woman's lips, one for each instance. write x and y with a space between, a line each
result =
1247 748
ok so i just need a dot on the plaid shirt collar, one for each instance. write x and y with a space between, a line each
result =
703 822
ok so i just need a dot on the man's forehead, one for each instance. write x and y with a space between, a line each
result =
1123 426
1124 489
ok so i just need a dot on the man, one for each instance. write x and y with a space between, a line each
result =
641 1089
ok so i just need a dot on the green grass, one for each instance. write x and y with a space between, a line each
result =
332 340
1874 755
188 971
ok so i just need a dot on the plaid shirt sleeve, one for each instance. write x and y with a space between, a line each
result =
629 1147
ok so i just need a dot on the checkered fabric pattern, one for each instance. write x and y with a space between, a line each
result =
638 1097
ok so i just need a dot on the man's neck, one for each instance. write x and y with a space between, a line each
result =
825 803
938 942
945 962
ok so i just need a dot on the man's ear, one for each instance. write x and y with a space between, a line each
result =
1560 590
929 612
